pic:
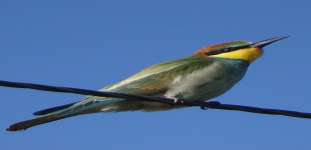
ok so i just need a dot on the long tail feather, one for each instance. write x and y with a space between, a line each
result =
64 111
23 125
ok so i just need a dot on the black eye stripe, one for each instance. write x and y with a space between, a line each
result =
219 51
227 49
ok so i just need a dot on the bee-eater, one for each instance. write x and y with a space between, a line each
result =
208 73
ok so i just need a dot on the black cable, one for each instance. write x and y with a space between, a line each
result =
202 104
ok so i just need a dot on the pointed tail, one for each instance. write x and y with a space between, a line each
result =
64 111
46 115
23 125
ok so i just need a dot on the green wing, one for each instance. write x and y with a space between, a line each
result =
157 79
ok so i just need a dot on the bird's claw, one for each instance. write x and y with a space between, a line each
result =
177 101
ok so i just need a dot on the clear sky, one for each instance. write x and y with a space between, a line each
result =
90 44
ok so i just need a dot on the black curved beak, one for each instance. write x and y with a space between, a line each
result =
266 42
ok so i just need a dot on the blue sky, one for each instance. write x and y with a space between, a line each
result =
90 44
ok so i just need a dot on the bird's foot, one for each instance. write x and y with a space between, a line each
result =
177 101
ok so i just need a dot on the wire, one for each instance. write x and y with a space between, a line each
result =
201 104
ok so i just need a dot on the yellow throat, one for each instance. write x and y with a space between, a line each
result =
246 54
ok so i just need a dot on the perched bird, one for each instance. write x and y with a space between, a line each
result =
206 74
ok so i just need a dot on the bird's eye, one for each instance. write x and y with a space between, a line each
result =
223 50
226 50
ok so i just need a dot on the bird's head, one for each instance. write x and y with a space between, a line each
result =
239 50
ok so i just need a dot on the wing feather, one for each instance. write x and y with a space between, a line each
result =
157 79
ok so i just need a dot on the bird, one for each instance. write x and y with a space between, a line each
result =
208 73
